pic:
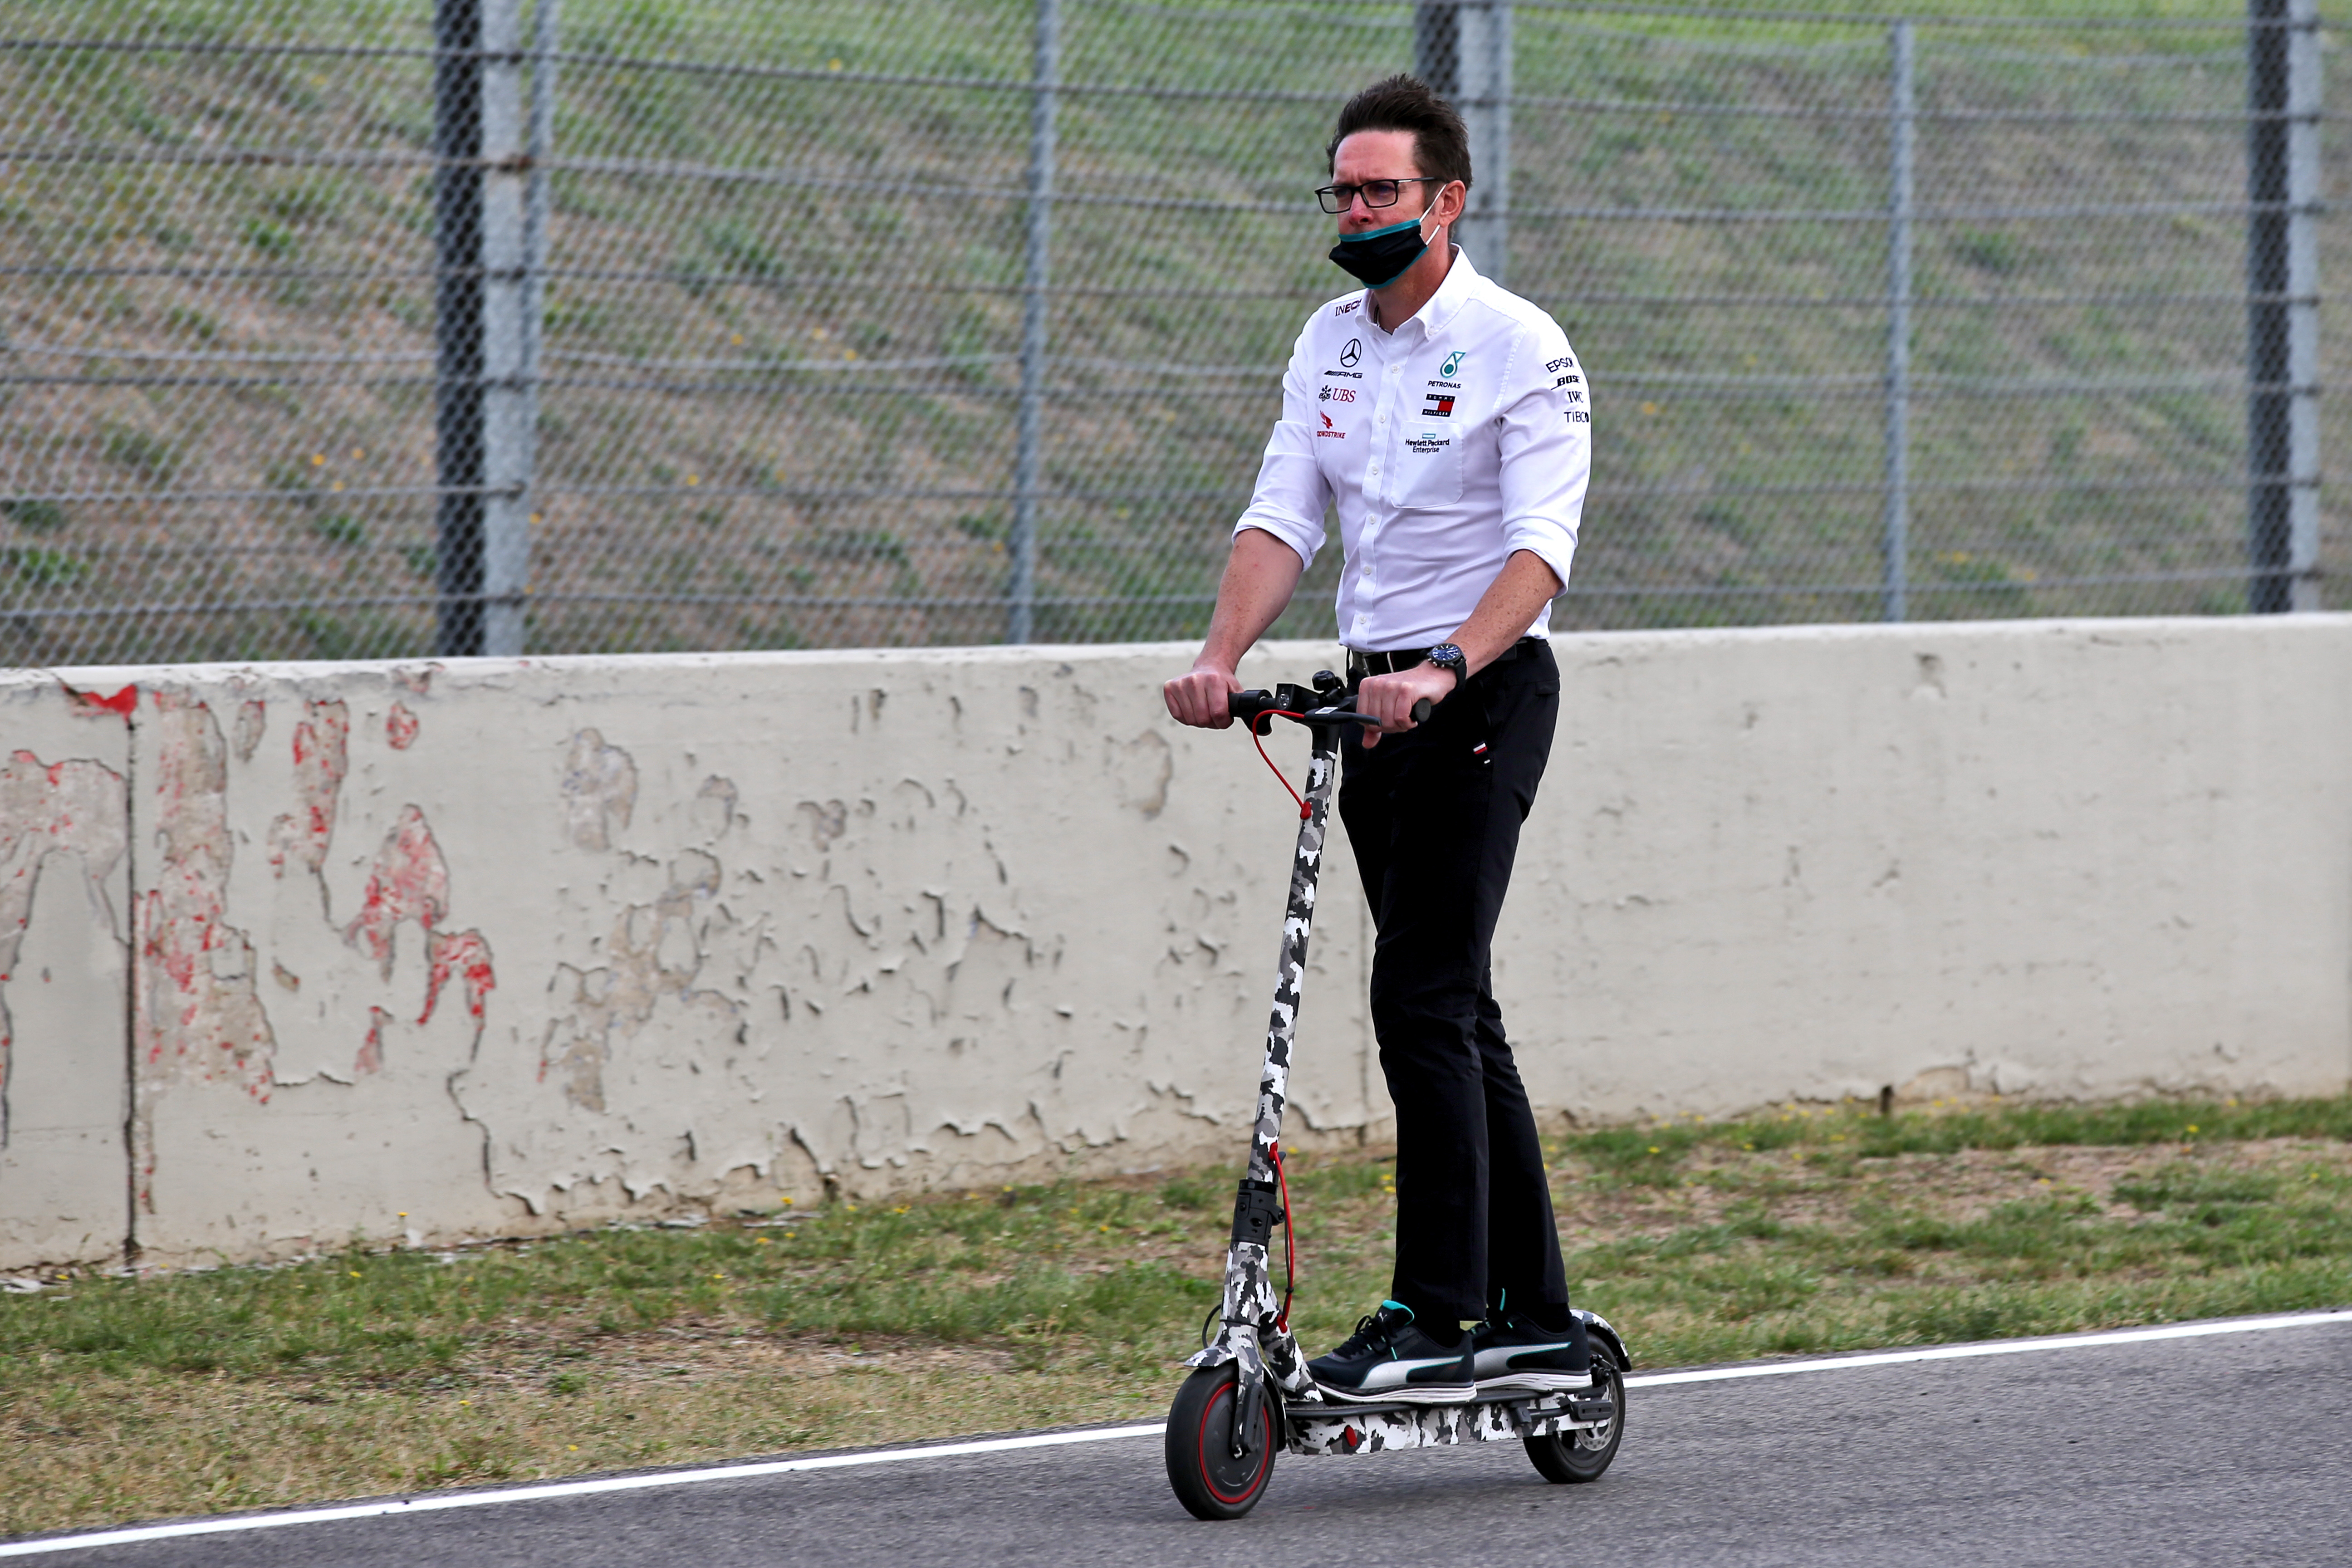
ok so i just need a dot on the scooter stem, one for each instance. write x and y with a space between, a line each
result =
1252 1333
1290 970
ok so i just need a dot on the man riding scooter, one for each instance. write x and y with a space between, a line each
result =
1447 423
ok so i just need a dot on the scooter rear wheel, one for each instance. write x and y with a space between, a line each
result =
1208 1479
1573 1457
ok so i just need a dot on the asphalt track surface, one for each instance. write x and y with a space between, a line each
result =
2236 1448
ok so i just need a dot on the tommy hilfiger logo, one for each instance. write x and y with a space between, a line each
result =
1441 405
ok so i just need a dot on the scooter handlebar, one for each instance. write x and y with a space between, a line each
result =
1304 706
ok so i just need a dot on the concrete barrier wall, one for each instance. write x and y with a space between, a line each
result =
294 953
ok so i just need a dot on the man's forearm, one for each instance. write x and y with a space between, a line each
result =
1507 608
1261 574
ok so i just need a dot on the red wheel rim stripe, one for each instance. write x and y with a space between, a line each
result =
1208 1477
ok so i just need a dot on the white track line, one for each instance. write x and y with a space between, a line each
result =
1992 1347
435 1504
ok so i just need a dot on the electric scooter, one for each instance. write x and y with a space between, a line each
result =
1250 1396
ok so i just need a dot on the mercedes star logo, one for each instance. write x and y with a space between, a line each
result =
1352 352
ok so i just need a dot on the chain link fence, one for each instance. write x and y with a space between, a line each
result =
380 328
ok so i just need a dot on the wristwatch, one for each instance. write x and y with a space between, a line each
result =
1451 659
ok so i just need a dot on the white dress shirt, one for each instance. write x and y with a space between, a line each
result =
1445 445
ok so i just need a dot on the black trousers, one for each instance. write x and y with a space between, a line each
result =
1434 816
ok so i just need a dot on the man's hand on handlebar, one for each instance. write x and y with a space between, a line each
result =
1202 697
1390 698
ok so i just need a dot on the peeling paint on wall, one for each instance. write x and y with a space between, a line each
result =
655 950
400 727
195 1016
252 721
322 756
49 808
409 881
467 957
600 790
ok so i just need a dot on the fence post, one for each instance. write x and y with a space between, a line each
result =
484 402
509 276
457 320
2283 189
1462 51
1020 625
1902 106
1437 46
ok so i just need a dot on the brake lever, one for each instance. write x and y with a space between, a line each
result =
1335 713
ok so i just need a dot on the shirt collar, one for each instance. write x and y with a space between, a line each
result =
1452 292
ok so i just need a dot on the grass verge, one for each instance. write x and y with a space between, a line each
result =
1802 1230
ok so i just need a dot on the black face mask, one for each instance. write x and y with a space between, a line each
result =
1378 256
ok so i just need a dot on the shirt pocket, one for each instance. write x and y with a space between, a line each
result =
1429 465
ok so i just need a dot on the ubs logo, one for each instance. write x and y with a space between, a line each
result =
1352 352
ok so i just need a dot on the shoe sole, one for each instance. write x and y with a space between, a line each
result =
1535 1383
1420 1393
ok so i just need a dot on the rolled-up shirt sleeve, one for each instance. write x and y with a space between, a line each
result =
1292 494
1545 443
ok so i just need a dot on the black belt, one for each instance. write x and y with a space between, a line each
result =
1360 665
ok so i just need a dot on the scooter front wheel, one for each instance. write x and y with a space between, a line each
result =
1209 1481
1581 1456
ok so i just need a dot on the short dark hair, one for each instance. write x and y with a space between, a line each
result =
1441 143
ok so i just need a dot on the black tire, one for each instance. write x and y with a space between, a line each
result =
1209 1481
1574 1458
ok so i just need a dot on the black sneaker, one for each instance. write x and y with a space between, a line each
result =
1513 1355
1388 1360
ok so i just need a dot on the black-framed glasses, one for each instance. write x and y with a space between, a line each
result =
1377 194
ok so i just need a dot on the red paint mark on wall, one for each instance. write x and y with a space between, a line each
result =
400 727
371 1057
322 757
408 881
90 704
466 955
70 807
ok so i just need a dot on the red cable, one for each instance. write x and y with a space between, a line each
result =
1274 1151
1259 741
1289 1240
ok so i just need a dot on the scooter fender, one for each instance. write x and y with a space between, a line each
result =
1597 1327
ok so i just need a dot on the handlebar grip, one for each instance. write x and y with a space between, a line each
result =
1421 711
